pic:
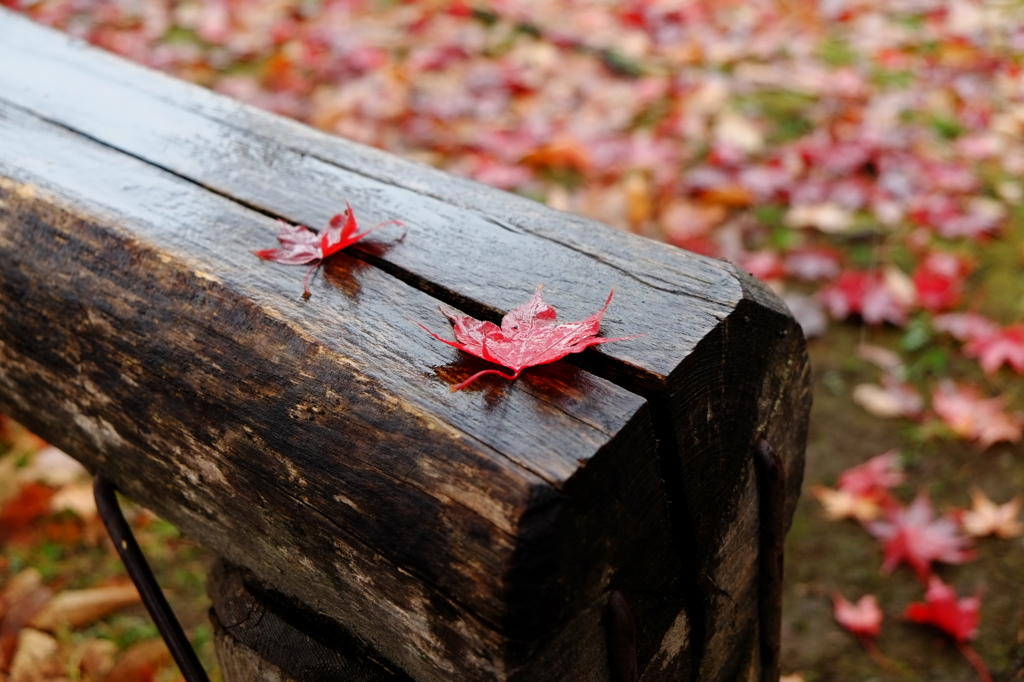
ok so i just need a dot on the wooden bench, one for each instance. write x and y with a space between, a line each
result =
597 519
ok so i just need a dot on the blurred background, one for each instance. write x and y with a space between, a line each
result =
864 157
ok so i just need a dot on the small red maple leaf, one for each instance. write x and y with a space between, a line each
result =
958 618
913 535
528 336
863 619
875 296
939 280
301 246
873 477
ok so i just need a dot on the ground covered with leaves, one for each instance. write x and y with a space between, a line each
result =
865 157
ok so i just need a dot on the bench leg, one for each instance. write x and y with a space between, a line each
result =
771 492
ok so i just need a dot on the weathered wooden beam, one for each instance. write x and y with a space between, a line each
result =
722 363
311 442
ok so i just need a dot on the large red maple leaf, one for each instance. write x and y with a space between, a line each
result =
913 535
528 336
301 246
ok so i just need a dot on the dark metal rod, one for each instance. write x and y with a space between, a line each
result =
771 488
152 596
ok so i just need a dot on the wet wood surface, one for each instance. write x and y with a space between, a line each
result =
132 201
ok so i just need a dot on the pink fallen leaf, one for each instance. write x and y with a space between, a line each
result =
892 399
302 246
877 475
958 618
876 297
862 492
863 619
813 263
988 518
840 504
972 417
528 336
913 535
965 326
1004 347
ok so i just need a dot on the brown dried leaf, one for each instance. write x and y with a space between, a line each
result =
989 518
22 599
140 662
841 504
94 658
36 658
77 608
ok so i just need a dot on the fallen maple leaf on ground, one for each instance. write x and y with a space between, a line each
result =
914 536
840 504
892 399
874 477
965 326
863 619
975 418
957 618
527 336
875 296
988 518
862 491
1005 346
301 246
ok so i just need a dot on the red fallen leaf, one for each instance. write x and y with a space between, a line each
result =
527 336
913 535
957 618
939 279
995 350
878 474
872 295
863 619
975 418
301 246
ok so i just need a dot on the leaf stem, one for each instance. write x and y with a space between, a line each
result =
467 382
974 659
305 282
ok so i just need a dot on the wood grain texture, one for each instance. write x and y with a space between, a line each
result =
313 442
722 363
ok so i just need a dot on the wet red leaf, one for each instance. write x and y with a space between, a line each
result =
302 246
527 336
913 535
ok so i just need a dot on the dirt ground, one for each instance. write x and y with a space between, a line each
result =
826 556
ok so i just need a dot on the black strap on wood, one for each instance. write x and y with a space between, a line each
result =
152 596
